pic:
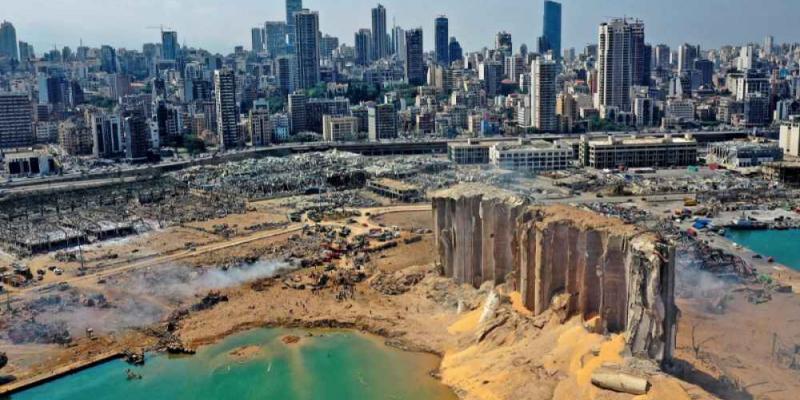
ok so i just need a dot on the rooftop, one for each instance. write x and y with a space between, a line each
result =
641 141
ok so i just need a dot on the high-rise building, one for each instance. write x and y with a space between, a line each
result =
382 122
26 54
260 127
136 135
298 112
543 95
227 115
640 54
192 76
327 44
415 62
769 45
515 67
257 40
662 55
286 72
363 42
16 120
705 69
316 108
615 65
399 42
747 58
108 59
168 121
551 29
491 73
8 41
307 48
442 37
52 89
567 110
120 85
380 47
503 43
169 45
686 56
456 53
107 140
292 7
74 137
26 51
275 37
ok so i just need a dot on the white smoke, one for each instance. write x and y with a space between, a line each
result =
143 297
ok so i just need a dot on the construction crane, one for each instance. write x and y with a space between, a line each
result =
159 27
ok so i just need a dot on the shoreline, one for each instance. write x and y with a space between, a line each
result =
41 379
389 339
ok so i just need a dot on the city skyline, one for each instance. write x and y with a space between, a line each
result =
228 25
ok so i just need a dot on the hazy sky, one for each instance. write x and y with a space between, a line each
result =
219 25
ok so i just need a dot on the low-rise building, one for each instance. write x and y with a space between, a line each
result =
470 152
744 154
29 163
394 189
785 172
537 155
637 152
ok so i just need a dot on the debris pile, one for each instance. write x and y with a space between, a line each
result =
87 215
209 301
133 358
31 331
394 284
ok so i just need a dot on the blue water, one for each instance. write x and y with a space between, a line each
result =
784 246
331 365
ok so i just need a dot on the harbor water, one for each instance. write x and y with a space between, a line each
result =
782 245
330 365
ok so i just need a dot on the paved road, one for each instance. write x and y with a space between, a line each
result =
45 187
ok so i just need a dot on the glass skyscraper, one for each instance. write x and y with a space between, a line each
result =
169 45
8 41
380 44
292 7
551 32
307 48
442 37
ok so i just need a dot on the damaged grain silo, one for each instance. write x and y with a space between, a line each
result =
609 269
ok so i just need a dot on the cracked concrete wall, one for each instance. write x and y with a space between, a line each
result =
471 232
609 269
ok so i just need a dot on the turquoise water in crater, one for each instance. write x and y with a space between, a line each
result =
331 365
784 246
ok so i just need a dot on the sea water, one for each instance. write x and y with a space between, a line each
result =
783 246
330 365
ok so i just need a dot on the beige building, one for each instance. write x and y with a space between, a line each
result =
534 156
339 129
637 152
790 138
